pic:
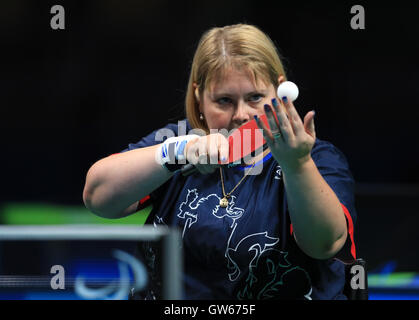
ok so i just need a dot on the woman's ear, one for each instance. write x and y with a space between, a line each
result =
197 94
196 91
281 79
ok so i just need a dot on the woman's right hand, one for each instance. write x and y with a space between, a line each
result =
207 153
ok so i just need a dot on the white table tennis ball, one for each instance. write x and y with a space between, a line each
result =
288 89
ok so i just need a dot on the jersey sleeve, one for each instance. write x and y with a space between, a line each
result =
151 139
334 168
155 137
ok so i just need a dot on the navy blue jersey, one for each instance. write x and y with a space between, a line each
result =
247 250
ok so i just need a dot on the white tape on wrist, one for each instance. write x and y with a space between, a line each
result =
172 151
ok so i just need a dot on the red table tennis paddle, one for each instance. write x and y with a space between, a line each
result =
244 141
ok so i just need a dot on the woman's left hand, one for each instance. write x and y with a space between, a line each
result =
289 139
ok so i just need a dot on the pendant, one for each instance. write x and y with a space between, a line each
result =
224 202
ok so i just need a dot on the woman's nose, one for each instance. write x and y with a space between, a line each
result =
241 114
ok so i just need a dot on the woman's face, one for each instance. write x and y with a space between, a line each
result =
234 99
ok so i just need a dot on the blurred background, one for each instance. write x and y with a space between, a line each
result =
119 71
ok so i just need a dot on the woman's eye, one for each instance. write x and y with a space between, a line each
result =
253 98
256 98
224 101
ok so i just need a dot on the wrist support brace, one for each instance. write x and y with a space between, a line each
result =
171 153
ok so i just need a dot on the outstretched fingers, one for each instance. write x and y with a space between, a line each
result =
285 126
273 125
293 116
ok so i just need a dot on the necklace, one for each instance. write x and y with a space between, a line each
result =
224 201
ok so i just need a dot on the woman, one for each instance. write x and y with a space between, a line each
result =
280 227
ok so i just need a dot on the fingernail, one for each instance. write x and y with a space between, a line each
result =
274 102
314 113
256 117
267 108
223 159
285 99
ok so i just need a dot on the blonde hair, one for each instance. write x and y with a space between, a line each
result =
240 46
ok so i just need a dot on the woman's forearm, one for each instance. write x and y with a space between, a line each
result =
316 214
116 182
